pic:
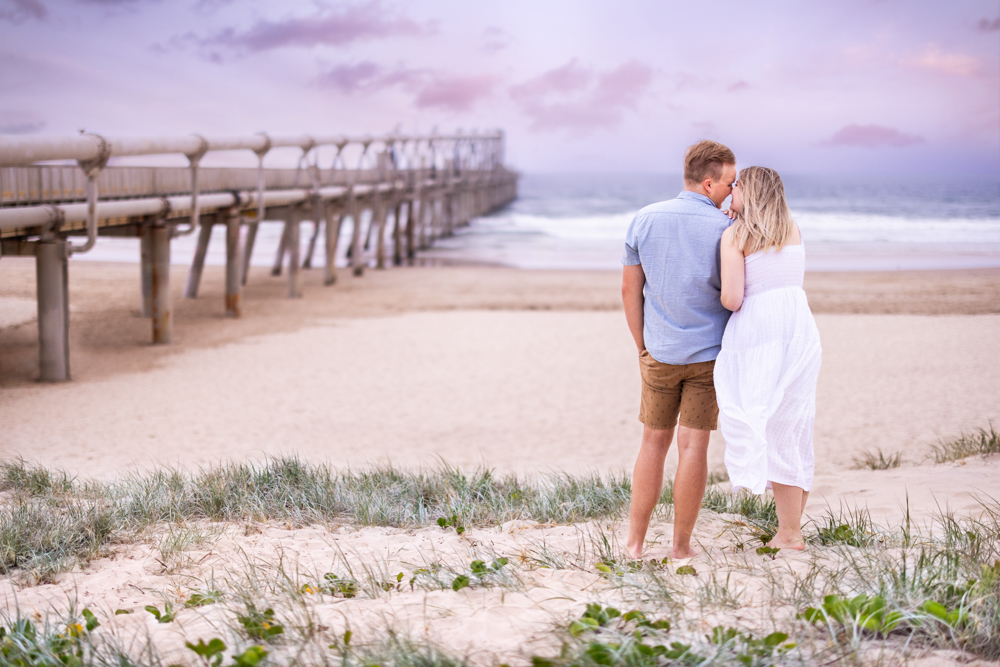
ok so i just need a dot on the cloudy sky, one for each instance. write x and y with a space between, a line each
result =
578 85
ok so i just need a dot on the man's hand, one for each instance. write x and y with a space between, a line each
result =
633 280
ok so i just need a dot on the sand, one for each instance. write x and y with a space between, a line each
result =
530 371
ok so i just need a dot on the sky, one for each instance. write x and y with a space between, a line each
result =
858 86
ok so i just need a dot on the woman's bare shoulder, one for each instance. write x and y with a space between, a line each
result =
795 237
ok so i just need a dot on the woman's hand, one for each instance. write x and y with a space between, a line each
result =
731 213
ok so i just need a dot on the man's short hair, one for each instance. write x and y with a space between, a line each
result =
705 159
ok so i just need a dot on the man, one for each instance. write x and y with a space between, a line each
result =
672 254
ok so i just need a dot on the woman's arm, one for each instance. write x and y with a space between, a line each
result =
633 280
733 272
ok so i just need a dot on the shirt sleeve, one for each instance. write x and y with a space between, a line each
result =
630 256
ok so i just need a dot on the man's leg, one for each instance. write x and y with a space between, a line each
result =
689 486
647 483
789 501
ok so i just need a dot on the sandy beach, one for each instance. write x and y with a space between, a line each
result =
520 371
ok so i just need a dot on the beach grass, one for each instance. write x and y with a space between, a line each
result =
863 593
878 460
50 520
982 442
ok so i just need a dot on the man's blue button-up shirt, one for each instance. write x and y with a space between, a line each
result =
677 243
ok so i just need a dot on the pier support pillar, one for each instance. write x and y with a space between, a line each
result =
248 249
422 223
381 217
234 265
357 253
198 263
52 272
282 247
435 222
333 222
397 236
308 261
146 270
294 263
411 229
163 309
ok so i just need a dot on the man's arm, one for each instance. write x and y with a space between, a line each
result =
633 280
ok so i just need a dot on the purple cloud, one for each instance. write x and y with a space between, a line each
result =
577 98
21 128
20 122
872 136
455 93
356 23
23 10
738 86
366 76
986 25
350 78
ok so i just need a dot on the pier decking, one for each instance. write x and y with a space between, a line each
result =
403 191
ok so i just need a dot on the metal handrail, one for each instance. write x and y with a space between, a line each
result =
19 151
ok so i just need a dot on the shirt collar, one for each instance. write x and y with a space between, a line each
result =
696 196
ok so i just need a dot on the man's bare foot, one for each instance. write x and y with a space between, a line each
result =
686 552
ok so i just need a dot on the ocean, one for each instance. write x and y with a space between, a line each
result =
578 221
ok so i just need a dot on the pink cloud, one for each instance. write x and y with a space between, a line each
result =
935 59
872 136
738 86
455 93
569 78
577 98
355 23
430 89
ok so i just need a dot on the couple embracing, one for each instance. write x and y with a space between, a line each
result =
715 304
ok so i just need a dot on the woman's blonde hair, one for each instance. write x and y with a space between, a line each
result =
765 221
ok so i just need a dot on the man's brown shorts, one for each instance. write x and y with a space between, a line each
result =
670 391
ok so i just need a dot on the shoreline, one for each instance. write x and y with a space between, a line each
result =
108 336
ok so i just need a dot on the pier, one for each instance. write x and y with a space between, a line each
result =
398 193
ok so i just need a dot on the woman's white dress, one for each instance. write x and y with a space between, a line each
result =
765 376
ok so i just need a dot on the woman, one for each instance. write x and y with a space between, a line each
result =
765 376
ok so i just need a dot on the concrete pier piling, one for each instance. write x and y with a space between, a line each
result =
163 309
234 264
52 273
146 270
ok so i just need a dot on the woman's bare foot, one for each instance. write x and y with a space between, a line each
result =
790 542
633 552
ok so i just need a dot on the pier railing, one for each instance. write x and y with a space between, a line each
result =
405 191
